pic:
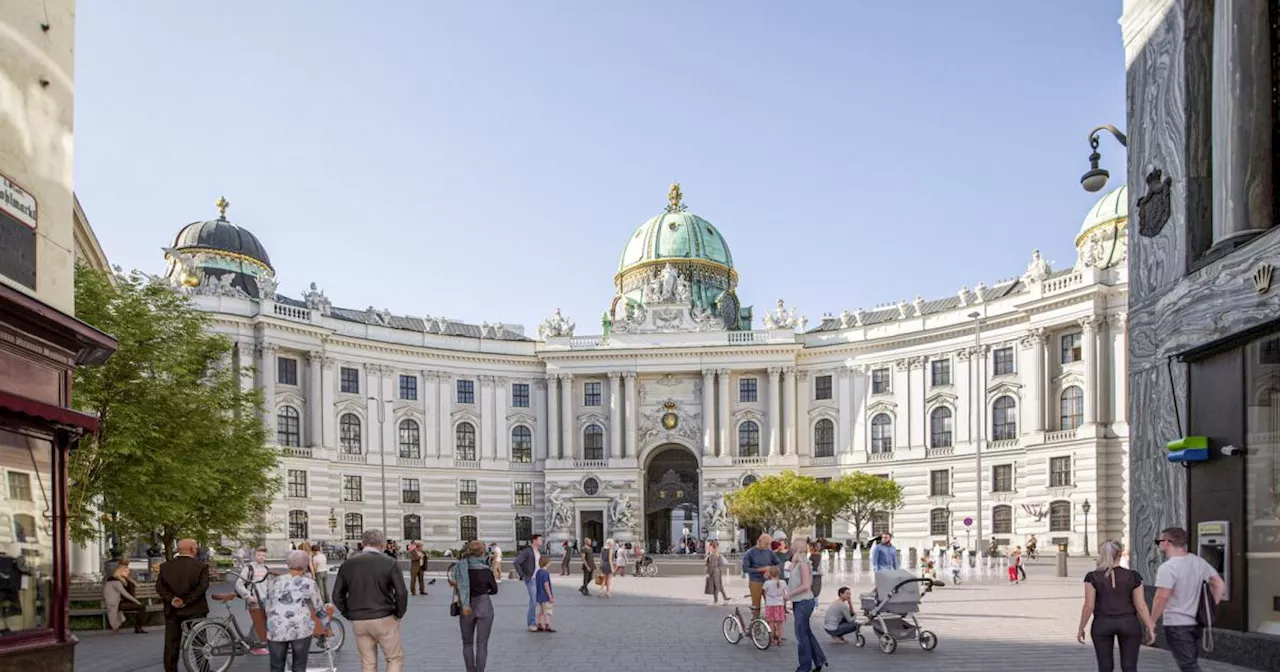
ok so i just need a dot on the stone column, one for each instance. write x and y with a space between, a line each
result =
632 412
844 402
328 387
708 412
315 407
1242 187
501 436
554 452
800 430
722 401
430 418
1119 354
445 398
773 413
1036 387
390 429
267 366
1090 355
789 410
1103 353
567 430
541 396
484 399
614 447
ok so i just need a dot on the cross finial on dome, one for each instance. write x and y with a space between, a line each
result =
674 198
222 206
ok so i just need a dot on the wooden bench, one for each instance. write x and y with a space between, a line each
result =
89 596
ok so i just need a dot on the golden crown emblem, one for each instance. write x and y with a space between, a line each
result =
670 405
1262 278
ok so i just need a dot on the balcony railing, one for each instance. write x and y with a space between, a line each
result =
1060 437
521 466
740 461
823 461
295 451
940 451
585 342
466 464
738 337
1004 443
411 462
590 464
354 458
291 312
1064 282
880 457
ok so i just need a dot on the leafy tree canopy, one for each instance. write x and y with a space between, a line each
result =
182 449
862 495
785 501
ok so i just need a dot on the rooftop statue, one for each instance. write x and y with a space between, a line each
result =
1038 270
555 326
316 300
782 319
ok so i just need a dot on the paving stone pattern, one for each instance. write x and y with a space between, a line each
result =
666 623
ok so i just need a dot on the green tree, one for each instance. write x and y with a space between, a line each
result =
863 495
785 501
182 449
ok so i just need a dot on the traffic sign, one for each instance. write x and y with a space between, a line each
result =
968 521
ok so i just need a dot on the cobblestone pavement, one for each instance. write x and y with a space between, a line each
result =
667 624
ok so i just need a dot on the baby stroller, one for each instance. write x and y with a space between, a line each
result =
891 609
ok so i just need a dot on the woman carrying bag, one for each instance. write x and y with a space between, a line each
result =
715 577
473 583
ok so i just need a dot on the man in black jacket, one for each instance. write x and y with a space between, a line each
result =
370 593
182 585
527 563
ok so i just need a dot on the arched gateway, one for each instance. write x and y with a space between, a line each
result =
671 498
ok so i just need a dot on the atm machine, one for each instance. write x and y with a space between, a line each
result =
1213 544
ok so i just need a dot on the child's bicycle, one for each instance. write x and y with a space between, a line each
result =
735 626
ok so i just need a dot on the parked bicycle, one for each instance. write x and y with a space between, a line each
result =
647 567
735 626
211 644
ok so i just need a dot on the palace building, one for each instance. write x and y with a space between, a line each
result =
1003 404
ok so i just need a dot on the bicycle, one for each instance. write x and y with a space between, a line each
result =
211 644
734 627
647 567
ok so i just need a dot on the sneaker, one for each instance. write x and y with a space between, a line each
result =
534 629
259 652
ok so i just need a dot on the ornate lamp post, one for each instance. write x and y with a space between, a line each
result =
1086 507
1096 178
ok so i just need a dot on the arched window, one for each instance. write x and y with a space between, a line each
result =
748 480
940 427
288 427
1071 408
824 438
354 526
1060 516
412 527
465 441
410 440
593 442
882 434
939 522
468 530
524 531
521 444
749 439
1002 519
1004 419
879 523
298 525
349 434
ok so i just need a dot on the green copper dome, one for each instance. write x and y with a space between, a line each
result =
675 235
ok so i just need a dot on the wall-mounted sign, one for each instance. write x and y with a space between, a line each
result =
18 220
1262 278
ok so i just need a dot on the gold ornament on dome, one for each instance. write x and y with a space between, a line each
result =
675 199
222 204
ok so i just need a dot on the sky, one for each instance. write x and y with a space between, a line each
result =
487 161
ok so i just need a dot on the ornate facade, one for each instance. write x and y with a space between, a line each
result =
458 430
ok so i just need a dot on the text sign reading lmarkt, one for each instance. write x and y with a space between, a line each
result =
18 219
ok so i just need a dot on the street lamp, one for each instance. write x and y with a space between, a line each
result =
978 398
382 455
1096 178
1086 507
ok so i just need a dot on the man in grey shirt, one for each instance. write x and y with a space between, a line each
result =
1178 583
839 620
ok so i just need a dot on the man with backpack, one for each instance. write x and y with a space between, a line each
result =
1188 591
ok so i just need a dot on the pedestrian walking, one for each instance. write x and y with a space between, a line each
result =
884 555
370 593
417 569
566 558
799 591
1188 591
606 569
320 565
753 563
527 563
546 596
1113 597
181 584
473 583
290 628
715 573
588 566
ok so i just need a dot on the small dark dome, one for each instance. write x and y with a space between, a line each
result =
221 235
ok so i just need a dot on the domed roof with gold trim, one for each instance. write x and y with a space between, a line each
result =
221 257
1104 234
675 234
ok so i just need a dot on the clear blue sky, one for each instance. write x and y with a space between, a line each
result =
487 161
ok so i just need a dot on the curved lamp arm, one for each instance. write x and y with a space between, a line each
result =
1119 136
1096 178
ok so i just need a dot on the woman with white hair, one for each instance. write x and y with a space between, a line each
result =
1113 597
606 569
292 603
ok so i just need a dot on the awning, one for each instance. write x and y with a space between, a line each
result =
47 414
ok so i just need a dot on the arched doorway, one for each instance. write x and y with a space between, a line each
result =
671 498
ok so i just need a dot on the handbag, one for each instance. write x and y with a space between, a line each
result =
599 579
455 607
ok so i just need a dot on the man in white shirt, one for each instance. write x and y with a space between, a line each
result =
1178 584
252 588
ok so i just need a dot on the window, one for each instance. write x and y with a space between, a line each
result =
521 444
286 371
1002 519
879 523
466 391
940 483
520 395
822 387
465 441
1060 516
940 427
940 372
880 381
1002 478
591 394
349 434
1059 472
1004 419
408 388
288 427
749 439
822 528
524 493
298 525
467 528
353 523
296 483
409 492
882 434
412 527
349 380
748 390
593 443
1002 362
524 531
824 439
352 489
410 439
20 486
1071 408
1072 347
939 522
748 480
467 492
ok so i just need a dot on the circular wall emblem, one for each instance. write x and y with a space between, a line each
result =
670 421
591 486
748 480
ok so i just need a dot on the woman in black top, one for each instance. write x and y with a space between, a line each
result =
473 583
1113 597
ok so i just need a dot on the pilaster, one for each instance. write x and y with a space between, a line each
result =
722 408
501 435
803 393
315 406
789 410
329 388
1090 354
267 365
845 403
614 449
772 415
554 450
708 413
541 403
632 412
445 398
567 429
